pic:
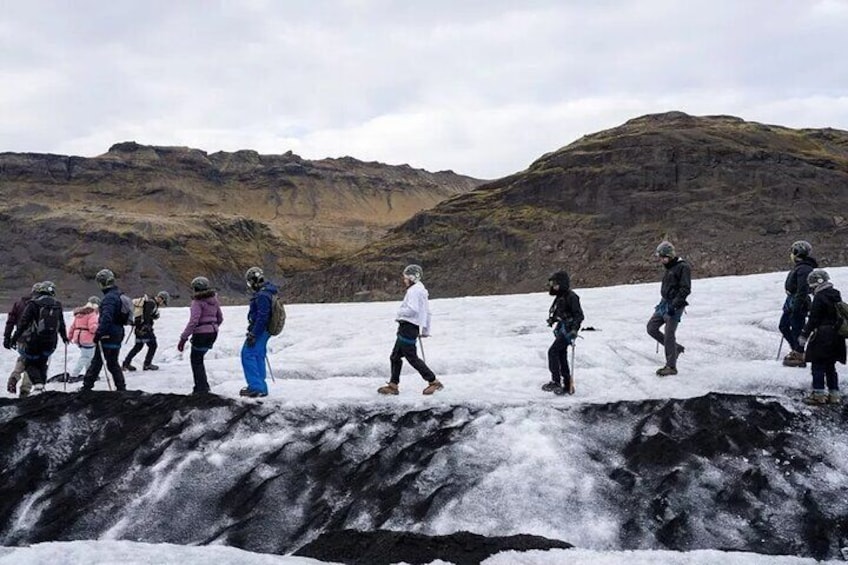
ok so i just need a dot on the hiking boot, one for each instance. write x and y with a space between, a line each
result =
433 387
127 367
389 389
250 393
794 359
151 367
666 371
559 391
816 399
37 389
834 397
550 386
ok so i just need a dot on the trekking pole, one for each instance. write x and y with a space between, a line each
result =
421 341
103 358
270 371
65 384
573 367
779 347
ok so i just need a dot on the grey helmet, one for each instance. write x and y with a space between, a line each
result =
199 284
255 278
665 249
94 300
105 278
801 249
413 272
817 277
45 288
35 288
164 296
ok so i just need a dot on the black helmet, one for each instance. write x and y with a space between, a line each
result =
199 284
665 249
164 296
413 272
560 279
105 278
45 288
817 277
801 249
255 278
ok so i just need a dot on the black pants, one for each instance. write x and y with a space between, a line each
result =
35 365
558 361
405 349
200 344
112 365
150 341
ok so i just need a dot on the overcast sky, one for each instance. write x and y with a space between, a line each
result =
480 87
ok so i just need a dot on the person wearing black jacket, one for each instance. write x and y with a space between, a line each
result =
41 326
109 334
565 316
676 286
824 345
13 321
144 331
797 303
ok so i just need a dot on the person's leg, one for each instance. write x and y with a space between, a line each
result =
151 351
85 356
396 362
16 374
114 366
38 376
253 363
410 353
136 348
818 370
785 328
832 377
654 324
796 324
93 370
671 349
200 344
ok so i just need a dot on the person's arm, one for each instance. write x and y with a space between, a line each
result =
684 287
193 320
576 312
27 318
423 314
263 313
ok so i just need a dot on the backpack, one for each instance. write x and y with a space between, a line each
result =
278 316
138 310
46 326
125 316
842 319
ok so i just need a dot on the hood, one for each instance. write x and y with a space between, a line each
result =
83 311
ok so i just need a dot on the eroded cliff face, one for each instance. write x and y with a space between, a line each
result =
158 216
719 471
732 195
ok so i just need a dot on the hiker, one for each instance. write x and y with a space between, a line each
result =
42 323
109 334
12 322
413 320
145 312
824 345
565 316
676 286
797 303
82 332
255 348
202 328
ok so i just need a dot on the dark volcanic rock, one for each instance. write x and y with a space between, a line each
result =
723 472
385 547
732 195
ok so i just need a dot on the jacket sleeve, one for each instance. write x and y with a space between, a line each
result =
576 311
219 315
107 313
802 287
72 331
424 313
263 312
684 287
27 318
193 320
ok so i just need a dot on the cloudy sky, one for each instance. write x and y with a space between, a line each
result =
482 87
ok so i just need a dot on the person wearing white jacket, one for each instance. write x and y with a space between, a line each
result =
413 320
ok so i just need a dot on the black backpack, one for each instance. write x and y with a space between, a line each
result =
45 328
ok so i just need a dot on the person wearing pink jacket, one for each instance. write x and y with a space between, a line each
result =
82 332
202 327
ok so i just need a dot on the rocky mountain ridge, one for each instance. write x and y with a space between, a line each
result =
158 216
732 195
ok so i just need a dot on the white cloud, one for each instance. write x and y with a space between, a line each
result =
482 88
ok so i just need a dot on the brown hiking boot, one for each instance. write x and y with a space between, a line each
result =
666 371
389 389
834 397
794 359
816 399
433 387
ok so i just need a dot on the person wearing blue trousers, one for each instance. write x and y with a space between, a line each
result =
255 347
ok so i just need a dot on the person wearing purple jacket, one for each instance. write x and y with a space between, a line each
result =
202 327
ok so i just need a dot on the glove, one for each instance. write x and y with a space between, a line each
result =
251 340
551 321
181 345
7 342
802 341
